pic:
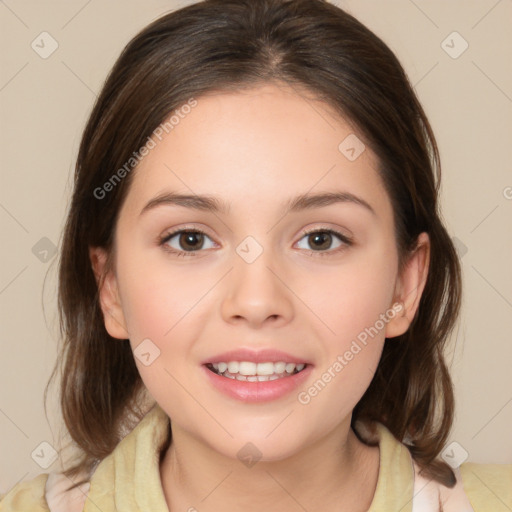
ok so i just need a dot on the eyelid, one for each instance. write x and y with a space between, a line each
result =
175 231
345 239
316 229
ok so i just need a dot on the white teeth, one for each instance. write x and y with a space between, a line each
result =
290 367
265 369
279 367
233 367
254 378
246 368
252 372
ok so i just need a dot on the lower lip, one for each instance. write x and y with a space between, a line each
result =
258 391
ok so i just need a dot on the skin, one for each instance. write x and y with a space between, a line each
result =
256 149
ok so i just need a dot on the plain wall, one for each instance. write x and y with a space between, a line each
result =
44 105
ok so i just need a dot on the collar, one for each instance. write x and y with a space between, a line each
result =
129 478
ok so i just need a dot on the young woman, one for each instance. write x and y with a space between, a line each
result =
256 287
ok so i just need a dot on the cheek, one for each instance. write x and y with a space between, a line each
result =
158 297
339 306
351 354
165 305
169 306
352 297
354 302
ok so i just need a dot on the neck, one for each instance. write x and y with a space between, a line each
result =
344 470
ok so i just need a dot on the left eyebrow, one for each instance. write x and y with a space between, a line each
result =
306 201
215 205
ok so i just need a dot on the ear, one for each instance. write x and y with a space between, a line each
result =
108 294
409 288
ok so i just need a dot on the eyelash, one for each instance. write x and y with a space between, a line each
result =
343 238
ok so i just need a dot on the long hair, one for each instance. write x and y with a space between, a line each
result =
229 45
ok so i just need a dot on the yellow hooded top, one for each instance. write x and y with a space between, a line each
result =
128 480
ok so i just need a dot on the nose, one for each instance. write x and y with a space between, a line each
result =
257 294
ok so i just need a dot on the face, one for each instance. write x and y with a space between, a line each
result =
315 281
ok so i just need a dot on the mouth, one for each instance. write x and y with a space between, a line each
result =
257 382
248 371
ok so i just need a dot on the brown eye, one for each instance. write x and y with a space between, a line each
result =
191 241
320 240
187 241
324 241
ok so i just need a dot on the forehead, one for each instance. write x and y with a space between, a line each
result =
258 146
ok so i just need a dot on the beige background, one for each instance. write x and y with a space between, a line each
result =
44 104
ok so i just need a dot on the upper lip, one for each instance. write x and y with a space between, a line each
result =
255 356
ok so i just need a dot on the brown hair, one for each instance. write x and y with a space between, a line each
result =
227 45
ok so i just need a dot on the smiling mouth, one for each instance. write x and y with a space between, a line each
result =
255 372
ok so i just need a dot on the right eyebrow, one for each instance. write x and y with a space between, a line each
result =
197 202
216 205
